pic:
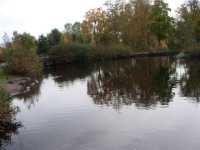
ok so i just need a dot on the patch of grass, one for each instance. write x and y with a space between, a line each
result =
4 96
3 77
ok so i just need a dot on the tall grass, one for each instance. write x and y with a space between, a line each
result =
3 77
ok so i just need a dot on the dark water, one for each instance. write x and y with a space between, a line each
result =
138 104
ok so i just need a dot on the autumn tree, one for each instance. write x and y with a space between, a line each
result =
116 20
138 29
21 56
94 26
129 23
86 32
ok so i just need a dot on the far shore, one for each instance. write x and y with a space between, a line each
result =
51 61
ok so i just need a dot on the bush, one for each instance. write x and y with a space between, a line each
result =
112 51
84 52
4 96
74 52
1 54
23 62
3 77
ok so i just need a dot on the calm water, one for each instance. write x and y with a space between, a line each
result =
138 104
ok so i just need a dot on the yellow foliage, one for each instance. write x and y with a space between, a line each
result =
66 39
163 44
94 25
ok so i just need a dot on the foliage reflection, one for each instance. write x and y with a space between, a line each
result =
145 82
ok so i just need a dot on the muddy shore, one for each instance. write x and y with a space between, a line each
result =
20 85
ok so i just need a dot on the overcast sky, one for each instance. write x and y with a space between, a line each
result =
40 16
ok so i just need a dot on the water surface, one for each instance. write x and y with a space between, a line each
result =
137 104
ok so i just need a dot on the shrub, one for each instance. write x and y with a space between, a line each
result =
8 124
4 96
21 56
72 52
84 52
23 62
3 77
1 54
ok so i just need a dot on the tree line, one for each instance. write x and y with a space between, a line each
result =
138 24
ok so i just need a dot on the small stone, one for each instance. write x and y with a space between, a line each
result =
33 84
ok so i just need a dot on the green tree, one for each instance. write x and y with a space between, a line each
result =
188 25
25 41
43 45
55 37
68 28
73 31
115 21
161 24
76 32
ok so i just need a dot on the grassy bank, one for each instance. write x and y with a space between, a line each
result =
3 77
8 124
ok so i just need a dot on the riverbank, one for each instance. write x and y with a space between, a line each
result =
20 85
16 85
49 61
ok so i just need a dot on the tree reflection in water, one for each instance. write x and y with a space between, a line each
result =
190 80
65 75
144 82
31 98
8 124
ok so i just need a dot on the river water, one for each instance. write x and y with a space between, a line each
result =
136 104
